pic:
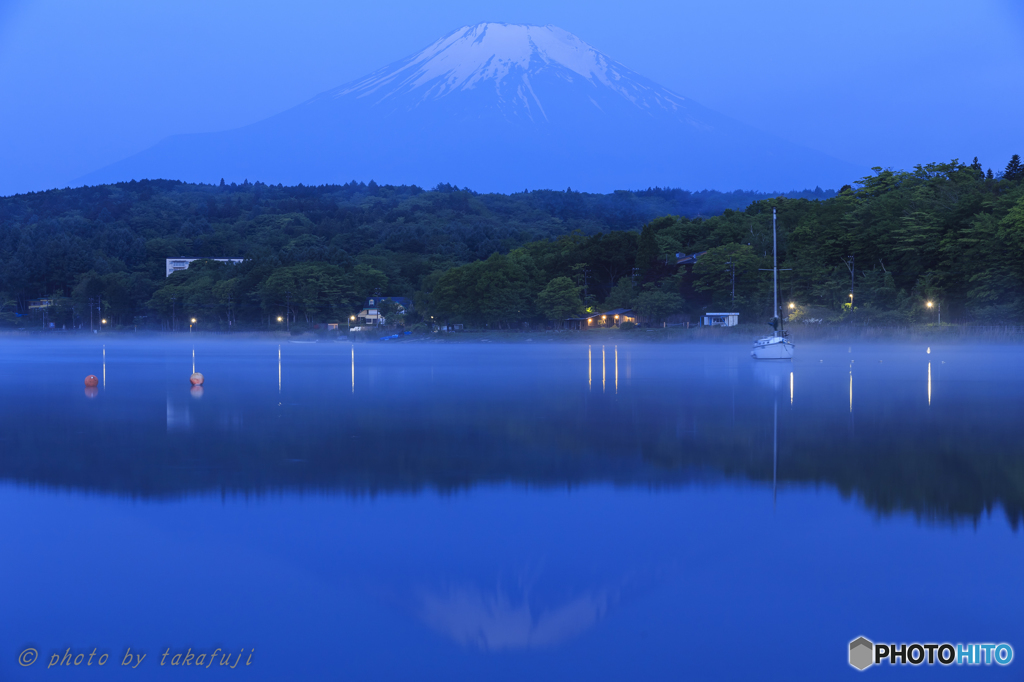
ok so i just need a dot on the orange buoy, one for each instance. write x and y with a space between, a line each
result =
91 381
196 379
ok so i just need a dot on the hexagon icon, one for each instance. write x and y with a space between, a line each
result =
862 653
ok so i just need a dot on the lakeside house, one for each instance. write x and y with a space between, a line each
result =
720 319
605 320
370 315
178 264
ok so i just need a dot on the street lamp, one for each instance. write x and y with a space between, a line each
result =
351 319
190 323
280 319
792 306
929 304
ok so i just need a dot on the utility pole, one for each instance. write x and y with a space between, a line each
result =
853 269
733 268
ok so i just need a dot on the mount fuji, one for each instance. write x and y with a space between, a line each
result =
495 107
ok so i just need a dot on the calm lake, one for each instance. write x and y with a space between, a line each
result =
403 511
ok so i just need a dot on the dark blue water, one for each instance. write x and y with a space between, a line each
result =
490 512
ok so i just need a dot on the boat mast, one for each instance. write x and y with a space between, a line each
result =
775 270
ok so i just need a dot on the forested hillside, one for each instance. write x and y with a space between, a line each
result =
329 247
947 233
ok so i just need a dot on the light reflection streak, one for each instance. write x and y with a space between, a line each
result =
279 370
851 389
105 366
590 369
790 388
193 359
354 369
603 370
929 384
616 370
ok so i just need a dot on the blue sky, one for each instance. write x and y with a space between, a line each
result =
874 83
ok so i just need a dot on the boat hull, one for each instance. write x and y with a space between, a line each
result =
772 348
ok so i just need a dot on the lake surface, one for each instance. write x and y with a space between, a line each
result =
506 512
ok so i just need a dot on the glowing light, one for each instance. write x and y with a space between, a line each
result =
104 320
280 319
929 304
193 320
792 306
353 317
929 351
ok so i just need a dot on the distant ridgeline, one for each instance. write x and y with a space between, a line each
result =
946 233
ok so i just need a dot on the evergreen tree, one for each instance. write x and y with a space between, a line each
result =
989 175
1013 168
975 164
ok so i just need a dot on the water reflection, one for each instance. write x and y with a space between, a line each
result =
495 621
929 384
688 413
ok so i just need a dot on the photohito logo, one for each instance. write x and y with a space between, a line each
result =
864 653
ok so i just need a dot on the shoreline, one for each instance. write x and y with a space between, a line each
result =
672 335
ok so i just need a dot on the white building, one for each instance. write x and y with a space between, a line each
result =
179 264
721 319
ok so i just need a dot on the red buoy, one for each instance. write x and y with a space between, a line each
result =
91 381
196 379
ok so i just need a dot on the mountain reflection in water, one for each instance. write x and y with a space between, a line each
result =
936 433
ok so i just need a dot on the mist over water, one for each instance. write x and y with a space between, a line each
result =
527 511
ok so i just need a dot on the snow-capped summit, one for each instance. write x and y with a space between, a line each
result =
506 59
496 107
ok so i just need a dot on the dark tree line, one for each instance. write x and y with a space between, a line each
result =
313 252
949 233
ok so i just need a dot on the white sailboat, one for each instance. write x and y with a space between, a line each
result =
776 346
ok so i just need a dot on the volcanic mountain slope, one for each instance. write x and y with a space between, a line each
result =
495 107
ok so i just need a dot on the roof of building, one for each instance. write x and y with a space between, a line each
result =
616 311
683 259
